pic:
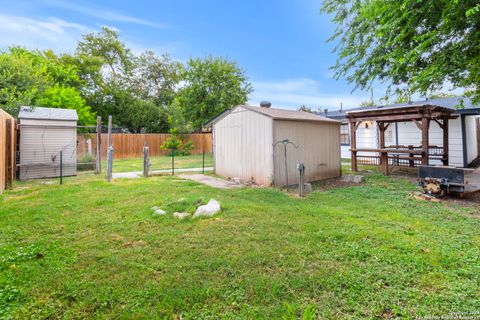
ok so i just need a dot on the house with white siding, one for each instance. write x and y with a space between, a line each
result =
464 137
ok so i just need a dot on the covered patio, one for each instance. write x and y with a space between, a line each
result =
397 155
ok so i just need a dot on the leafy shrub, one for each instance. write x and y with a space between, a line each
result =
187 148
177 146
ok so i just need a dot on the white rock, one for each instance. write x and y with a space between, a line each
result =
181 215
307 187
208 210
358 179
159 212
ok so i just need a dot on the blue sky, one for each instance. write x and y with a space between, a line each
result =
281 44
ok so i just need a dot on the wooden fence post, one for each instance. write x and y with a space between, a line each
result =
109 163
146 161
10 151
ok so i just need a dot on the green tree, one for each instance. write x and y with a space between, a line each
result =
135 90
305 108
59 96
419 46
157 78
212 85
34 78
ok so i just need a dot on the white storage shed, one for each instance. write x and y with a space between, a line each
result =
245 145
44 133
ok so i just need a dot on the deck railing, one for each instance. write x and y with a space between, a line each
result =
400 155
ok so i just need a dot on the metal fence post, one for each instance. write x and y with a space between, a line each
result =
173 161
109 163
203 161
61 167
98 166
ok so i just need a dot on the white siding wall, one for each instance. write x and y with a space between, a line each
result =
40 145
410 134
367 137
243 146
472 142
318 149
346 154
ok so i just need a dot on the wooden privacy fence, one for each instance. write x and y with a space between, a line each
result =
7 150
131 145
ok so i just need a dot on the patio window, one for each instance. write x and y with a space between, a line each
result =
344 135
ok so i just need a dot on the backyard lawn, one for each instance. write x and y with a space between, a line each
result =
89 249
158 163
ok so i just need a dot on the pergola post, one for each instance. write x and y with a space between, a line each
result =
445 141
425 139
383 155
353 145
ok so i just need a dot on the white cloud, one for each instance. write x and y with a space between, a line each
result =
41 33
292 93
104 14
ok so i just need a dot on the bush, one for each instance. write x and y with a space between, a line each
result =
177 146
187 148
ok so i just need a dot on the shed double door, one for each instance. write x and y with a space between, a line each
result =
44 148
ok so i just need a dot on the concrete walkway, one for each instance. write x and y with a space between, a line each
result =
139 174
211 181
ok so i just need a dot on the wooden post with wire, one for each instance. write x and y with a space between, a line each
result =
109 163
146 160
110 150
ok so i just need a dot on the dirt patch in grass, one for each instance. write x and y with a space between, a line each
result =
471 201
333 183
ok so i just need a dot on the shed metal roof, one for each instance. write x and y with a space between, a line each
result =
284 114
47 113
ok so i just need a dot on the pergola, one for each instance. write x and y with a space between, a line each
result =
421 115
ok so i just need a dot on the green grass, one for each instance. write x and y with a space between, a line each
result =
89 249
136 164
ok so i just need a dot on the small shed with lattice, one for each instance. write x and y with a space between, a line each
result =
47 145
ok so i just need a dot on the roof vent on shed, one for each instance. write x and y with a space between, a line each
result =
265 104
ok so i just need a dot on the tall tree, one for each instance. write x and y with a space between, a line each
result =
135 90
420 46
158 78
212 85
34 78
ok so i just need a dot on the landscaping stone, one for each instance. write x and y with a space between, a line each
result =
208 210
307 187
181 215
159 212
353 178
358 179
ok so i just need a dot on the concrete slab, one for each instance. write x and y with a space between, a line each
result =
139 174
126 175
211 181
